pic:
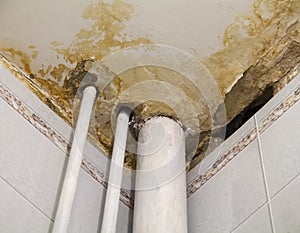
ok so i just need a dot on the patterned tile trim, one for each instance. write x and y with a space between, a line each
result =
223 160
279 110
52 135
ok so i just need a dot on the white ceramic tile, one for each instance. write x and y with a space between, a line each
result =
88 208
286 207
260 222
280 149
208 161
278 98
28 161
17 215
229 197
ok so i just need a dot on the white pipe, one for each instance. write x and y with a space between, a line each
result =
65 204
160 202
109 222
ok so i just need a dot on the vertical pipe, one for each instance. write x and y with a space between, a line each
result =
111 208
160 204
65 204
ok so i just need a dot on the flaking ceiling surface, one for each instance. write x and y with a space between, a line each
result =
55 42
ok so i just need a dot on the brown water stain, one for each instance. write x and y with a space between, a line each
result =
104 36
95 42
250 38
248 41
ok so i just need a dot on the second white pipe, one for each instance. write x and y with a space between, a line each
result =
110 216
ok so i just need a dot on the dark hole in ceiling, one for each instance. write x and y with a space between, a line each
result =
249 111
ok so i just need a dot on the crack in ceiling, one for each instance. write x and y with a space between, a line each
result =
261 52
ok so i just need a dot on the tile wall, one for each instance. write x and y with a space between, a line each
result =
251 183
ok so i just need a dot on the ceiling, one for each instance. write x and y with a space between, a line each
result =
194 26
228 43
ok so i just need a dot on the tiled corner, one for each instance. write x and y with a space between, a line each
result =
259 222
286 207
230 142
280 149
88 207
17 215
229 197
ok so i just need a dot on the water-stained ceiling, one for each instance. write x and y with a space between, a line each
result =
249 49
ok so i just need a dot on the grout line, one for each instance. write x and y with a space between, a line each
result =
249 217
285 186
264 176
22 195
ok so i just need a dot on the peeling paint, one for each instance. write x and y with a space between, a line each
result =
255 47
250 38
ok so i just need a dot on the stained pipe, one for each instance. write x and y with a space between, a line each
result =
160 199
65 204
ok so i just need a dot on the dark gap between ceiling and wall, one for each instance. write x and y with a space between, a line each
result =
249 111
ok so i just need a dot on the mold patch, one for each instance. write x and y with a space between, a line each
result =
260 51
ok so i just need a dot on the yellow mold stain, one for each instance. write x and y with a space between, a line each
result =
273 26
250 38
104 35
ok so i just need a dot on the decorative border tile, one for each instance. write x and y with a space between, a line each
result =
33 119
279 110
272 117
52 135
220 163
